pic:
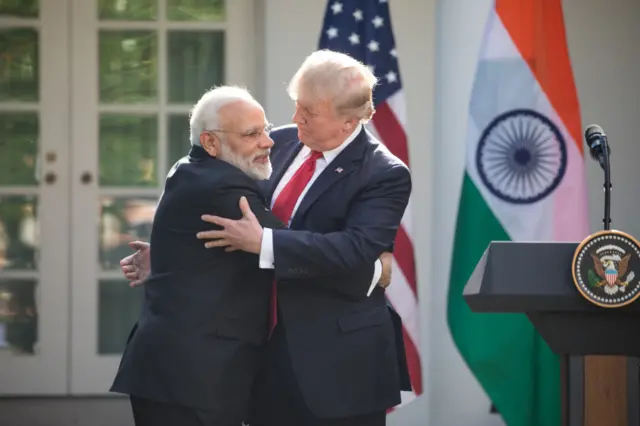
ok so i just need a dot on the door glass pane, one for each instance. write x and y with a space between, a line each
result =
18 148
19 8
178 140
128 150
118 309
196 63
196 10
19 65
128 66
122 220
127 10
18 316
18 232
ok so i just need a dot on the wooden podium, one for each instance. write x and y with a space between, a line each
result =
597 345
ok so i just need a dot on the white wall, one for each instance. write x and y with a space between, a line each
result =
459 400
603 40
604 43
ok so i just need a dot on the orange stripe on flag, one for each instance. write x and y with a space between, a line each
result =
537 29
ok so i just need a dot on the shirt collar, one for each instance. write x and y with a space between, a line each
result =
329 156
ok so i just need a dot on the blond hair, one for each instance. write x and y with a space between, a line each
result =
345 82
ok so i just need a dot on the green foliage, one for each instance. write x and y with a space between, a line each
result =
178 143
14 209
196 10
19 8
131 10
196 64
128 66
128 150
147 10
19 65
593 278
18 148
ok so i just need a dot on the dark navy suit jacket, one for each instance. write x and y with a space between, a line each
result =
198 341
346 348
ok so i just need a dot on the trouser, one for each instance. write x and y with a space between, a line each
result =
152 413
279 400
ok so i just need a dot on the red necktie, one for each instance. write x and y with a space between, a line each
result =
283 208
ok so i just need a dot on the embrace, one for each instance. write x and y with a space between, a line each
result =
266 269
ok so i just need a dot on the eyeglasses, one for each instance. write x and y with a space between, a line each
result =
250 134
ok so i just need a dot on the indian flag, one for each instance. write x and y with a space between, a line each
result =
524 181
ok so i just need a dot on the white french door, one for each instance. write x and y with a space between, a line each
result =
34 197
111 92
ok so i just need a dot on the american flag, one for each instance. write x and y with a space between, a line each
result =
362 29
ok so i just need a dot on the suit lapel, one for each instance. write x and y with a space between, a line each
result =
345 163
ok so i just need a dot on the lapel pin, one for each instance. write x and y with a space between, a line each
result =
339 169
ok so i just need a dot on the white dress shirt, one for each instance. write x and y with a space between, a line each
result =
266 249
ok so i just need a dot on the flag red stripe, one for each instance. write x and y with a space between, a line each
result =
391 132
403 252
413 361
394 138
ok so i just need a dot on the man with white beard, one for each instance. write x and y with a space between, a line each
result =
192 357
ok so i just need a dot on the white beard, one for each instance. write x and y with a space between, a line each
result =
256 171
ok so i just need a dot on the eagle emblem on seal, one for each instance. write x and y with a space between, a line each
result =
610 268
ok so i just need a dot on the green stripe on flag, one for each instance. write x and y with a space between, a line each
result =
513 364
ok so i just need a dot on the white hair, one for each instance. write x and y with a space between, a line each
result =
205 113
347 83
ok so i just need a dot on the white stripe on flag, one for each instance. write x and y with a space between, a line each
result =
399 107
406 222
405 303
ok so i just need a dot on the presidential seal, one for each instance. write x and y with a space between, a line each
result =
604 269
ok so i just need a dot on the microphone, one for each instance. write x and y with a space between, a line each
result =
597 141
599 149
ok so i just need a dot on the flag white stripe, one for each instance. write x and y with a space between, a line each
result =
405 303
399 107
406 221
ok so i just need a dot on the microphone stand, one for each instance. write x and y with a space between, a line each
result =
607 185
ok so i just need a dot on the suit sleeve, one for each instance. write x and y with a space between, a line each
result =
226 203
371 227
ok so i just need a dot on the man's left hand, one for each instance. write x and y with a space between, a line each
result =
386 259
137 266
244 234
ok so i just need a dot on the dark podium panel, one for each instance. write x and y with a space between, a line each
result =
534 278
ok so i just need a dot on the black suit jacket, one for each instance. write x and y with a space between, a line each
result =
347 357
204 316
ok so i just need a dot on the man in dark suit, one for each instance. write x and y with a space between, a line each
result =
193 355
333 358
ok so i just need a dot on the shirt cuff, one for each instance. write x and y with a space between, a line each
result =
377 272
266 250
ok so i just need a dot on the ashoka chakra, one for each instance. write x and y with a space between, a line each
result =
521 157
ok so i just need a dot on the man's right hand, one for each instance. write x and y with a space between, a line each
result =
137 266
